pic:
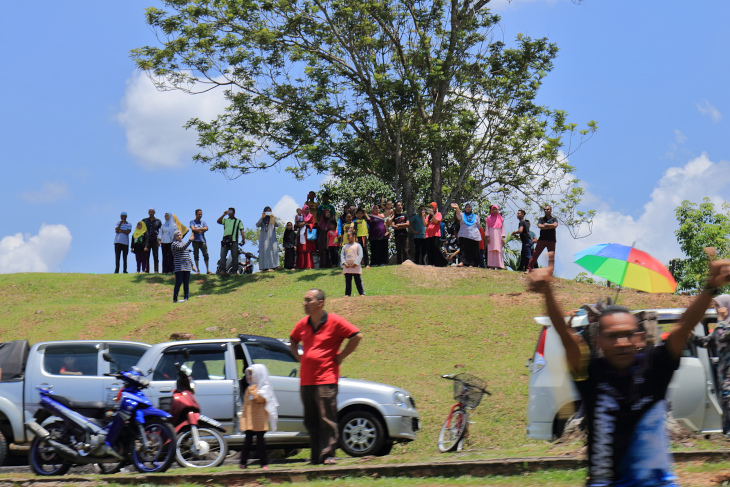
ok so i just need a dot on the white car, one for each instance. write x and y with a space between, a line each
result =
692 393
372 416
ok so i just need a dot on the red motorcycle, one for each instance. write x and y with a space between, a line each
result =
199 439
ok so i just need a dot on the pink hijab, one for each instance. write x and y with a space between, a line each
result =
494 221
308 217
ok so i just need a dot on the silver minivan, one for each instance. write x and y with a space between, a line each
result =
553 397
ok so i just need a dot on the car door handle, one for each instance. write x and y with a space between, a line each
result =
165 391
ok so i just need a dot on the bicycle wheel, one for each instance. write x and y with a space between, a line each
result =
452 433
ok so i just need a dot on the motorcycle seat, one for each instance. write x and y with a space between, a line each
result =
74 404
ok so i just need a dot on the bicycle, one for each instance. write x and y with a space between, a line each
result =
468 391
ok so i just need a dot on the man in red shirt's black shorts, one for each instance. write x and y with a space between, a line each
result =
321 335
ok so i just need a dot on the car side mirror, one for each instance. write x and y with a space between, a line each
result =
107 357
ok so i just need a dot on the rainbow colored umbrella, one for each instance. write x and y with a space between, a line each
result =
627 267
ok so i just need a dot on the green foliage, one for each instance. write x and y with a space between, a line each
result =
510 253
586 278
418 95
700 226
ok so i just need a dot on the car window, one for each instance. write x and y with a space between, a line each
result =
277 359
71 359
125 356
205 365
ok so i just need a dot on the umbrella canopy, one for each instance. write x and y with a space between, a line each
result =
628 267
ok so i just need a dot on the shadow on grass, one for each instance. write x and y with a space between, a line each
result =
212 284
319 274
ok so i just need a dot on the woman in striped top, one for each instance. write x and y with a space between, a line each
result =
183 265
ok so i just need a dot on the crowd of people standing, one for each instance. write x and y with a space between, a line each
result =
357 238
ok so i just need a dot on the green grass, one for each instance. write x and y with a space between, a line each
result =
418 323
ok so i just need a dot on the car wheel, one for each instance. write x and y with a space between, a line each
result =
361 433
386 449
3 449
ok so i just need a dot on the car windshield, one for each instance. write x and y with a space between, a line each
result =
276 358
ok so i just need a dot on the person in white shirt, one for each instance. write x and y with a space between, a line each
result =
167 236
121 241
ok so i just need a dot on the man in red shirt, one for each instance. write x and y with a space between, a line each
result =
321 335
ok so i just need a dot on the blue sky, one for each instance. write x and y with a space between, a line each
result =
85 136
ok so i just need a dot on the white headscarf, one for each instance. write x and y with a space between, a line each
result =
170 225
260 377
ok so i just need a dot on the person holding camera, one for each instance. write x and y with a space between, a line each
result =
268 244
231 228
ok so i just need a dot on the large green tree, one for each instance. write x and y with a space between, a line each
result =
700 226
421 94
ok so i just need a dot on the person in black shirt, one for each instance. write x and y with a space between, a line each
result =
524 233
624 390
547 225
400 223
153 241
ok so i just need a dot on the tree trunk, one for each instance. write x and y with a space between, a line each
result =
436 156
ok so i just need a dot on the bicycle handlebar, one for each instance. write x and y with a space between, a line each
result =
453 377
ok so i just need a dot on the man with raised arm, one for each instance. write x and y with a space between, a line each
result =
624 391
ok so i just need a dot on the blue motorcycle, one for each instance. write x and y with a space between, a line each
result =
136 432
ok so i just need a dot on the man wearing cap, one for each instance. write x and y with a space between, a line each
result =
121 240
153 242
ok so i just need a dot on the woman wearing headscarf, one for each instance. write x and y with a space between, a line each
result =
432 220
183 265
259 413
305 248
290 245
268 244
469 236
139 243
167 236
323 226
496 236
377 237
720 339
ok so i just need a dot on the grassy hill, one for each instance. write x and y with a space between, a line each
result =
418 323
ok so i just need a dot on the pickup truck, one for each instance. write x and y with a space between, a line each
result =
372 416
74 369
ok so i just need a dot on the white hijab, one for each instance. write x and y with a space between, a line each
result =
260 377
169 225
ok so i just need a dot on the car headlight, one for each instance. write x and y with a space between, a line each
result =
400 399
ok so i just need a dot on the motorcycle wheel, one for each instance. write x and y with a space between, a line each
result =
43 458
187 458
161 438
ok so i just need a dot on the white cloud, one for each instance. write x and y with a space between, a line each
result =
48 193
705 108
153 121
653 230
38 253
285 209
679 136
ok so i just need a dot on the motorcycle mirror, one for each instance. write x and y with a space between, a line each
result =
107 357
185 353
